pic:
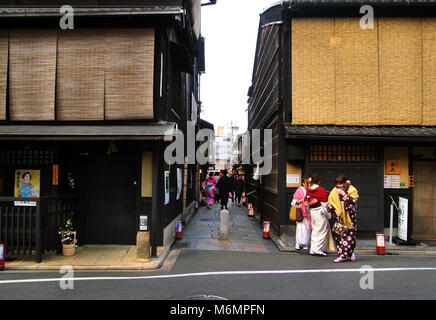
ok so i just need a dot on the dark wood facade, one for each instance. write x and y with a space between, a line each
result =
355 150
108 160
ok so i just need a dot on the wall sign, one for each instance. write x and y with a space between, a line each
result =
403 216
292 178
167 186
143 223
179 182
392 182
55 181
393 167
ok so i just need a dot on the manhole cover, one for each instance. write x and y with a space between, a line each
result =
206 297
183 244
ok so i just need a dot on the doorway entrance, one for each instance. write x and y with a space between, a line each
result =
110 199
424 200
367 181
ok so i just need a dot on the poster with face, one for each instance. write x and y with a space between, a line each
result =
27 183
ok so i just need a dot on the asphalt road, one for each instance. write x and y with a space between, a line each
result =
238 276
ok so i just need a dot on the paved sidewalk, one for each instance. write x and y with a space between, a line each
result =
364 246
202 231
91 257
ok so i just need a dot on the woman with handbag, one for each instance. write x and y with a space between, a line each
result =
303 220
343 206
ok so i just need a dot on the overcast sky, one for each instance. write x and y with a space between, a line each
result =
230 29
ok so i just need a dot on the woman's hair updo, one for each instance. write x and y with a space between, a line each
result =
316 178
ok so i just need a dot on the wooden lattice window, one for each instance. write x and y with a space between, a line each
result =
343 153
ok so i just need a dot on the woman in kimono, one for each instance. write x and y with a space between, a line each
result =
210 191
317 198
303 230
343 206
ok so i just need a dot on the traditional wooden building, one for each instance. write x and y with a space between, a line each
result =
83 114
343 93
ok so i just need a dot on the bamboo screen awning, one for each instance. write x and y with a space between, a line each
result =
344 75
32 74
80 75
129 61
77 75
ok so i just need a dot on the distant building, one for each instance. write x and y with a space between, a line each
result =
224 139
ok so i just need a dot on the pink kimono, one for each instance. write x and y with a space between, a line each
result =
303 231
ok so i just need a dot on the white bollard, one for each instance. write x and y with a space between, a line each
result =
224 225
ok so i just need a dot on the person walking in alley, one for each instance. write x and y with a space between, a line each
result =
343 207
224 186
239 189
317 198
210 192
304 226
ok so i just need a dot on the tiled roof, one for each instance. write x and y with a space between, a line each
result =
29 12
371 132
37 131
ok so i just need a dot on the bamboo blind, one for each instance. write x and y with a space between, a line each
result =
384 76
400 71
80 75
32 73
4 51
129 70
313 87
356 74
429 69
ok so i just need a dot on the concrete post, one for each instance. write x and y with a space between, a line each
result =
143 246
224 225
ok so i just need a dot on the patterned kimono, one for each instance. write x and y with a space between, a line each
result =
345 245
25 190
210 191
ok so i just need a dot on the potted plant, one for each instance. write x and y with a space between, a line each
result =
68 239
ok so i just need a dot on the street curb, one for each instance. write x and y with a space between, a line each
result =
156 263
425 251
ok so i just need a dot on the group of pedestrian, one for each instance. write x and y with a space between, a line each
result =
219 188
316 209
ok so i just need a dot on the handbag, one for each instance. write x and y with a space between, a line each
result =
298 215
293 214
341 229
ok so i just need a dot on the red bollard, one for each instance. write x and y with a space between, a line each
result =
266 229
179 232
380 243
2 256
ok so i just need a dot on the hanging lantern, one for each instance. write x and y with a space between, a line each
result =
251 212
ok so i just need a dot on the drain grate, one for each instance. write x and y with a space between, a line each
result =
182 244
205 297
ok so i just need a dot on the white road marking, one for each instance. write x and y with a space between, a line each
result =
218 273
